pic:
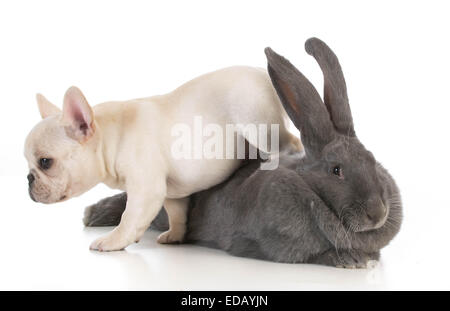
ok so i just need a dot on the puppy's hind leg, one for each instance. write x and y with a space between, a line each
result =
294 144
177 212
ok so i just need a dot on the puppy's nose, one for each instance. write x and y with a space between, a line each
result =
376 210
30 178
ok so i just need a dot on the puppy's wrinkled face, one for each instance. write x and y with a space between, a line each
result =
61 152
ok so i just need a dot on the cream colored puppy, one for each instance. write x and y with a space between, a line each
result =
128 145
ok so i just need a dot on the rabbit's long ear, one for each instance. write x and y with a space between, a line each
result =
335 89
301 102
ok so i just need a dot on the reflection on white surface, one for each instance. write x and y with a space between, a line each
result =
47 247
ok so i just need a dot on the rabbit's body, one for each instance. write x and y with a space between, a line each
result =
336 205
257 214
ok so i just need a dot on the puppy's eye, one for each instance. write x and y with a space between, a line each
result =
337 171
45 163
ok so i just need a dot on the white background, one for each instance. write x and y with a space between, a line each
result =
395 55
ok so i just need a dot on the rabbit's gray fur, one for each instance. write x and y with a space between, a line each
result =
335 206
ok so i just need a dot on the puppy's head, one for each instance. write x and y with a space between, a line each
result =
63 150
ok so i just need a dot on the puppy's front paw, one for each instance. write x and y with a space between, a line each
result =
171 237
113 241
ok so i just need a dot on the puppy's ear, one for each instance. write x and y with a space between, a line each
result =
78 116
46 108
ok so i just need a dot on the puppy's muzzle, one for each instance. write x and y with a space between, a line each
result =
31 179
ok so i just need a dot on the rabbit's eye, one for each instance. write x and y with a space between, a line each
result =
337 171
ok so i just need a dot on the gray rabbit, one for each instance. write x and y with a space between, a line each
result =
336 205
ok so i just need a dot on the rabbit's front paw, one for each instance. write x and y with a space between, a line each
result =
346 259
351 260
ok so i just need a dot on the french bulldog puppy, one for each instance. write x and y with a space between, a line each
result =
127 145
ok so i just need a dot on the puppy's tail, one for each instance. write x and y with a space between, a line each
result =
108 212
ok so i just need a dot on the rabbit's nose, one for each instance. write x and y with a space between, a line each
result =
376 211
